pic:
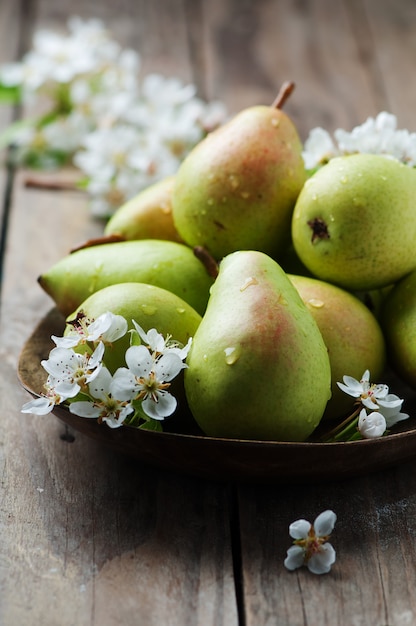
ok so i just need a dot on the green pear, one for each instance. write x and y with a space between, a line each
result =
351 333
150 307
354 222
398 320
258 367
166 264
237 188
148 215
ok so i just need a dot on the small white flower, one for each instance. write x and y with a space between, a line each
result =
372 425
56 393
106 406
148 379
374 398
158 344
378 135
318 148
107 328
311 547
390 407
369 394
71 371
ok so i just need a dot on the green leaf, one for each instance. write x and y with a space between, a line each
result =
152 425
134 337
10 94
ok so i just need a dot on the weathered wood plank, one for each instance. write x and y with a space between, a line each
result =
351 62
391 27
259 45
373 578
84 519
88 537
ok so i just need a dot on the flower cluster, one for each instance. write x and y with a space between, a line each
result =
136 395
378 135
377 410
123 133
311 547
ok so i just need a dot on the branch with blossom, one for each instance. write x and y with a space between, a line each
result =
375 412
121 131
136 395
378 135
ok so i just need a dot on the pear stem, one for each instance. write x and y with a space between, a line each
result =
207 260
284 93
97 241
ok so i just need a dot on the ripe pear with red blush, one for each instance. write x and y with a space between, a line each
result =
237 188
351 333
148 215
258 367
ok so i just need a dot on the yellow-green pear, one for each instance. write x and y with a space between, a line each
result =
149 306
351 333
258 367
354 222
148 215
166 264
398 320
237 188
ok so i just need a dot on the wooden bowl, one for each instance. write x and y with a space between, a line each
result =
227 459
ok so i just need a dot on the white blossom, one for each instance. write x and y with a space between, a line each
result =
371 425
311 547
107 328
105 405
368 393
123 131
71 370
158 344
147 379
378 135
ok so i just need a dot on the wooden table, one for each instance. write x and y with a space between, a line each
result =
88 537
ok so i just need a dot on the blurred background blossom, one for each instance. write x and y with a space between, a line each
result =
94 110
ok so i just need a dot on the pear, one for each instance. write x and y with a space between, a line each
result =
354 222
149 306
166 264
351 333
237 188
148 215
398 320
258 367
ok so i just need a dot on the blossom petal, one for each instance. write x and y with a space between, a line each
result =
38 406
84 409
372 425
100 385
321 561
353 388
123 385
139 360
324 523
165 406
168 366
299 529
295 557
108 327
69 341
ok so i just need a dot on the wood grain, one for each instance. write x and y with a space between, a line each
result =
91 538
86 536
